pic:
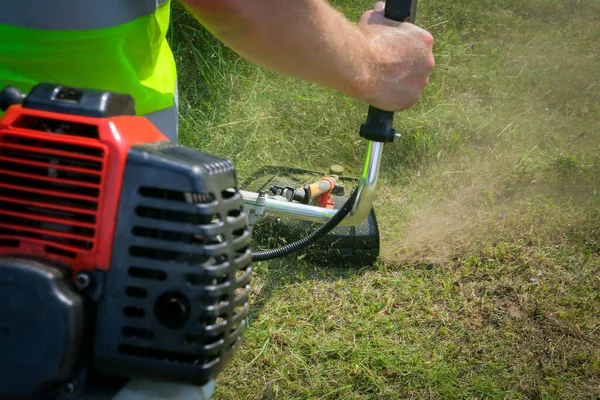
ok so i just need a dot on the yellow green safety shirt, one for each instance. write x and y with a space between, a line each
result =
116 45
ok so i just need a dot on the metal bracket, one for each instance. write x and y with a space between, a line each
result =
256 210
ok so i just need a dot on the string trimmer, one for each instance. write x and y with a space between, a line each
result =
125 255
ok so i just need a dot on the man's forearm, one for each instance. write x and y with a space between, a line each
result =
307 39
385 63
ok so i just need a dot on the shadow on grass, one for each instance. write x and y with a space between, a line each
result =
273 276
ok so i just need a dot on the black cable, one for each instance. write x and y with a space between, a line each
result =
310 239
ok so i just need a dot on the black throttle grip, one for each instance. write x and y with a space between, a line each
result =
378 126
399 10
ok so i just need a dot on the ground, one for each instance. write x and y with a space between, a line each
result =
488 284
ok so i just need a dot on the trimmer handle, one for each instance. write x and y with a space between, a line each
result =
378 126
399 10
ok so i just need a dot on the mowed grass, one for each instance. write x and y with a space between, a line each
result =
488 283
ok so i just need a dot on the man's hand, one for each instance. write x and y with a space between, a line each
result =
401 60
383 62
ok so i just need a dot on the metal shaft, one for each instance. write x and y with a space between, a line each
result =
360 211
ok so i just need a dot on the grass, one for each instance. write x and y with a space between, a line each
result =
488 284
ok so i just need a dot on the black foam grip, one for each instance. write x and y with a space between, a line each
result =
398 10
378 126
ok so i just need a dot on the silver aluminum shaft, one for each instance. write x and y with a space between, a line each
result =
360 211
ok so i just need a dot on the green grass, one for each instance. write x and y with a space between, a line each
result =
488 285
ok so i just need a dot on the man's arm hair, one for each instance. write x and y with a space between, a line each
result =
310 40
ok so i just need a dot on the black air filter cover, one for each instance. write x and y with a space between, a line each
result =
176 295
41 327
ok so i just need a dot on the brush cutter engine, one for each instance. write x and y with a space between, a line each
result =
121 254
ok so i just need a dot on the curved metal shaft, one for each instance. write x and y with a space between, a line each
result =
360 211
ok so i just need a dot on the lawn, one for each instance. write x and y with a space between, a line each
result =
488 284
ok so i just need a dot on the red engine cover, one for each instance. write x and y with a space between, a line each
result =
60 182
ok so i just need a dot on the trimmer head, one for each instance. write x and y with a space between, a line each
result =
344 246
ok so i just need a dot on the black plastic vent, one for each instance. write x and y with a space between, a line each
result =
213 166
176 195
180 277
